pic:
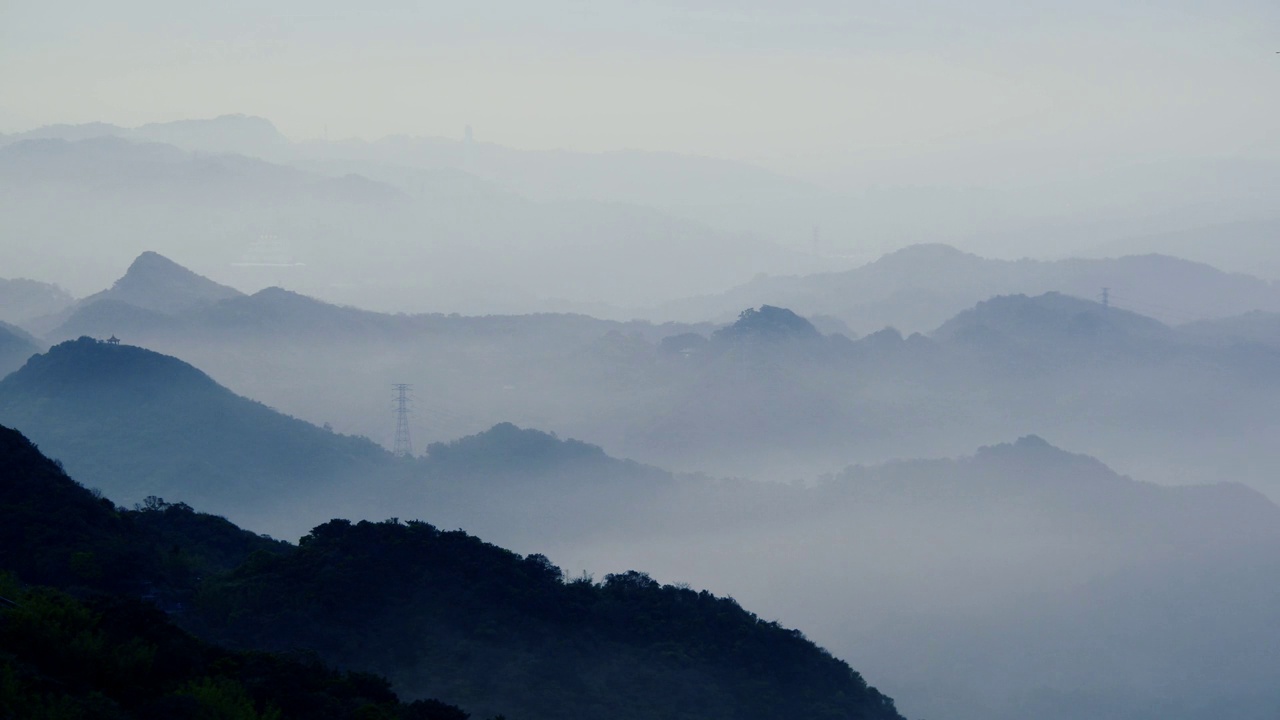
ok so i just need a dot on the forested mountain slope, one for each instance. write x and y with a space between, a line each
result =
442 613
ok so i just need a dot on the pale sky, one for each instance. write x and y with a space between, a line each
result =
985 89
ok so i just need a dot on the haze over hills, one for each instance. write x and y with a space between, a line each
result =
733 197
688 397
135 423
226 134
153 285
946 339
616 233
896 559
447 240
919 287
106 410
453 617
1145 209
1254 327
24 300
996 585
16 345
1239 246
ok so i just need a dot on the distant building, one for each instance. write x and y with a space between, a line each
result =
113 340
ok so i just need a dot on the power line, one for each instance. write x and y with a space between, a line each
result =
403 446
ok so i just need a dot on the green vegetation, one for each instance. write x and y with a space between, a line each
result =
54 532
112 658
447 614
442 614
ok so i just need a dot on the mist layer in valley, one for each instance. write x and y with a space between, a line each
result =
771 395
757 362
991 585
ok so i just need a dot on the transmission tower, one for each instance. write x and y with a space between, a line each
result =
403 445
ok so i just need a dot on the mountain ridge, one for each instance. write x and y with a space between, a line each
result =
918 287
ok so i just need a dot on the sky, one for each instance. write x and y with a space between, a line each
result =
982 92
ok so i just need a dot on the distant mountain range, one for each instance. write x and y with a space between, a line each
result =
226 134
1116 211
770 393
1244 246
135 423
406 238
918 288
733 197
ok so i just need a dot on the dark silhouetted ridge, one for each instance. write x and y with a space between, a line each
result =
446 614
443 614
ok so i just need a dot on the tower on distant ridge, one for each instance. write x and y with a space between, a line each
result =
403 446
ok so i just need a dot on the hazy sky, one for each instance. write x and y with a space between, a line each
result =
815 87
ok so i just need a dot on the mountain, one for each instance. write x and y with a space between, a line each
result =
24 300
769 396
105 649
122 659
405 238
1241 245
225 134
768 324
137 423
1018 581
1052 321
919 287
1252 328
57 533
154 282
104 199
444 613
152 290
1019 551
546 647
477 371
731 196
16 345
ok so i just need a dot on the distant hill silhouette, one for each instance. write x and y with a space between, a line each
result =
1256 327
919 287
331 229
156 283
151 290
241 134
768 324
1053 321
24 300
16 346
138 423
